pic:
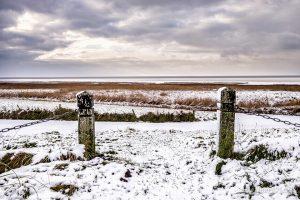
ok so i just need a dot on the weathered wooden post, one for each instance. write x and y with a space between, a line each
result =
86 123
226 116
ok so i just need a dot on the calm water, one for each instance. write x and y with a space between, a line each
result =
163 79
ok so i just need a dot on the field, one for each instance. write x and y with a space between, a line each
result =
143 157
280 99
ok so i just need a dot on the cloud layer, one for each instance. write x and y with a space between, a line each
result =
141 37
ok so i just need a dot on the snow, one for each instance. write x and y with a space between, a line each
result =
29 90
166 161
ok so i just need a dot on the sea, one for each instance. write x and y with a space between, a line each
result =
250 80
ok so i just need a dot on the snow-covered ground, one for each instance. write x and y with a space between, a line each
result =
165 161
28 90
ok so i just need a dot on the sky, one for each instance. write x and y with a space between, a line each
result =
149 38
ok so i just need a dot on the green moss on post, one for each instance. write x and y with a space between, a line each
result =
86 123
226 120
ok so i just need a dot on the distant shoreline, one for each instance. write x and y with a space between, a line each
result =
157 77
243 80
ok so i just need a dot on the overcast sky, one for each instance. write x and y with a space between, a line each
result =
149 37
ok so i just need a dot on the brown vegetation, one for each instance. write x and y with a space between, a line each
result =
206 102
61 166
76 86
291 102
256 103
65 189
66 92
11 161
37 114
132 98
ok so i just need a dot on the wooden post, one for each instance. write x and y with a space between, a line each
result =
86 123
226 116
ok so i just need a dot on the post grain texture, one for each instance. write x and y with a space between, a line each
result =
86 123
226 120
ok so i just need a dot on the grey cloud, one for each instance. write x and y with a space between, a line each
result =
289 41
168 3
270 28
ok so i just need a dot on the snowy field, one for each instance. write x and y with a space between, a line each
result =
153 161
170 97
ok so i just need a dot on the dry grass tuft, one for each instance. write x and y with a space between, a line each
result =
257 103
163 94
61 166
207 102
70 156
66 189
46 159
132 98
11 161
291 102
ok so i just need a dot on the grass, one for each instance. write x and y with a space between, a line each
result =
66 87
66 92
261 152
116 117
61 166
168 117
36 114
66 189
12 161
206 102
264 183
137 98
219 166
291 102
297 189
257 103
258 153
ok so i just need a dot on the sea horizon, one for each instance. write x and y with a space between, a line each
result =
247 79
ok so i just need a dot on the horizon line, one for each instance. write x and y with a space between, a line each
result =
139 77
